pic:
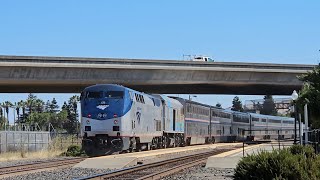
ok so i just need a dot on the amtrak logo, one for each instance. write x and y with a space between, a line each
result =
138 115
103 105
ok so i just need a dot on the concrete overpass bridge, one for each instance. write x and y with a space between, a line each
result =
71 74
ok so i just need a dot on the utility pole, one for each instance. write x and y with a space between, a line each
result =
306 124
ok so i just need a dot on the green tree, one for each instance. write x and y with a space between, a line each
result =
39 105
236 104
310 94
72 124
57 118
31 103
54 106
40 118
268 106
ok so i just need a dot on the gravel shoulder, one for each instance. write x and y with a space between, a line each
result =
61 174
29 161
196 172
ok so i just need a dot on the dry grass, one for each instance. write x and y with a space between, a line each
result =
19 155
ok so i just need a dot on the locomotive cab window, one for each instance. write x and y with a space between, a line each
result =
82 95
114 94
92 94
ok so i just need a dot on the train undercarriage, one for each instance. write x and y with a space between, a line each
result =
105 145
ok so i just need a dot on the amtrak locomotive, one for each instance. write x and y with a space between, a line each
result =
115 119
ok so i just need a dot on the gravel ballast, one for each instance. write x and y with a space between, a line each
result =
29 161
196 172
199 172
61 174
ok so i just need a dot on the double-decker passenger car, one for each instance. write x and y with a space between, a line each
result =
269 127
197 122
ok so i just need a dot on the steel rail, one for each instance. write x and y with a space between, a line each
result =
166 172
166 167
38 165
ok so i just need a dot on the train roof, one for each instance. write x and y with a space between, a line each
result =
103 86
270 116
182 100
192 102
171 101
115 86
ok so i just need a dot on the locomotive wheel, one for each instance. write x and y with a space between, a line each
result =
133 145
138 145
154 143
165 142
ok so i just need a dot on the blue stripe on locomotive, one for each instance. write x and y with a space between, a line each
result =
115 106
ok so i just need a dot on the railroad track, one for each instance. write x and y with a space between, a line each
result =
25 168
157 170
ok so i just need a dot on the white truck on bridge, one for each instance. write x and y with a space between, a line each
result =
198 58
203 59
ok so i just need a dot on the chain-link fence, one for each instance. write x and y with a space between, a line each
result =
269 139
62 141
313 139
281 139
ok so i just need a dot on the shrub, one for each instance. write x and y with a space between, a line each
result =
297 162
74 150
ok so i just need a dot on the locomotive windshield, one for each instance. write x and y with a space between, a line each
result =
114 94
91 94
108 94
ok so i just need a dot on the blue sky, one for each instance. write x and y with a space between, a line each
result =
243 31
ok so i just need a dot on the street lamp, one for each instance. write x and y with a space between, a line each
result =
294 97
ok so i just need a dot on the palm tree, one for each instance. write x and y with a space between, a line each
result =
19 105
2 119
7 105
23 105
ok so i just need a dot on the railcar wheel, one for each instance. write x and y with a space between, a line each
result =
138 145
206 141
133 145
213 140
164 142
154 143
